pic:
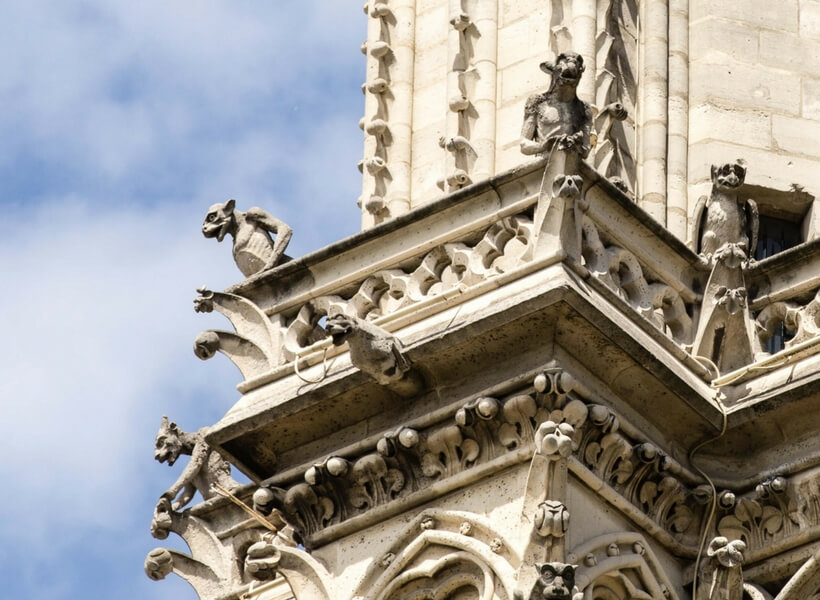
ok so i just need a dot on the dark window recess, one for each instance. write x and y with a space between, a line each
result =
778 340
776 235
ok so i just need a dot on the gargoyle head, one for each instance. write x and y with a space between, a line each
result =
556 581
566 70
339 327
730 175
168 445
219 220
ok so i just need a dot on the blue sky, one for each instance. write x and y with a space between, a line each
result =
121 122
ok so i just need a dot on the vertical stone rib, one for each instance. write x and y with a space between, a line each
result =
404 32
653 118
484 95
584 29
677 166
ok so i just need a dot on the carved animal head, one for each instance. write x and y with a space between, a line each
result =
168 445
555 582
339 327
729 176
566 70
219 220
567 186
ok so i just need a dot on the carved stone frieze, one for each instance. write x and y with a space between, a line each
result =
452 266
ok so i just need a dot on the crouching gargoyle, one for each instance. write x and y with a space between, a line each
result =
205 468
253 248
557 118
375 352
556 581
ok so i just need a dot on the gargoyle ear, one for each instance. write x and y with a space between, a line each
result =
229 205
715 170
740 165
548 67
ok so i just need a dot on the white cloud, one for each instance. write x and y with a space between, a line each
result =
121 123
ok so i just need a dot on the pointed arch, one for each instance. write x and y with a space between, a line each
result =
439 551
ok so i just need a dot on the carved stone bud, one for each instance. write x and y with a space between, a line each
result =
391 443
427 523
376 127
551 519
726 500
542 383
459 103
159 563
375 164
646 452
374 204
465 528
331 467
263 500
262 560
206 344
638 548
378 49
379 10
553 439
378 86
613 550
483 408
603 418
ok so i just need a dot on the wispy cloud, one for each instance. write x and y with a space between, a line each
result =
121 123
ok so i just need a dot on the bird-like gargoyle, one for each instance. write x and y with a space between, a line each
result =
374 351
725 218
253 248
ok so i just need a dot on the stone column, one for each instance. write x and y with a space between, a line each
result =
484 93
653 117
678 150
584 29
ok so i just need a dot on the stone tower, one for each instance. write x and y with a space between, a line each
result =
575 351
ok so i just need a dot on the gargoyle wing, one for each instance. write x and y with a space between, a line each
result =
752 225
697 224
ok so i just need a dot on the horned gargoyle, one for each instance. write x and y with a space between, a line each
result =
205 468
557 118
375 352
253 248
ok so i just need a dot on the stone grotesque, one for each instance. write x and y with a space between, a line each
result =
557 118
205 468
721 575
724 218
725 235
556 581
253 248
372 349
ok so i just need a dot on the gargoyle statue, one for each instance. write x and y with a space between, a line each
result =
253 249
557 117
373 351
724 217
205 468
556 581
